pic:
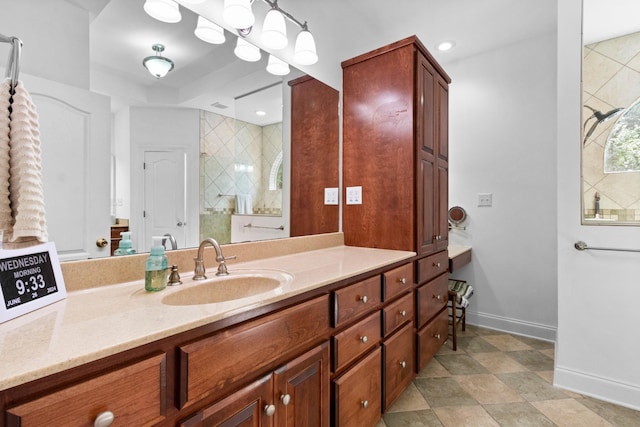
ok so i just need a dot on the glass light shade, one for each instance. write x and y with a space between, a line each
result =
163 10
277 66
305 50
274 30
246 51
238 14
158 66
209 32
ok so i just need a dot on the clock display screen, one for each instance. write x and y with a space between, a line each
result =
26 278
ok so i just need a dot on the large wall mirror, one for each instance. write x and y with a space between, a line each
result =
201 152
611 113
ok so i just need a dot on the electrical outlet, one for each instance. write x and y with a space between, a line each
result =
354 195
330 196
485 199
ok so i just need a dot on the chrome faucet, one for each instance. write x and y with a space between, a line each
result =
174 244
198 273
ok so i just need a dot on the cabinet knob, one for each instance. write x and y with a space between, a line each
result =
364 299
285 399
437 336
104 419
101 242
269 410
402 280
403 313
436 264
403 364
364 339
438 297
364 403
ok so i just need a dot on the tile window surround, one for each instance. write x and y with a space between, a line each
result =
611 79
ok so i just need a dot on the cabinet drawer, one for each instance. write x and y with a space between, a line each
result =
431 338
351 302
431 266
358 395
398 356
431 298
134 394
397 281
355 341
233 356
397 313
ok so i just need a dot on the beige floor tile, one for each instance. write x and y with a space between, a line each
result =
488 389
434 369
410 400
546 375
498 363
505 342
465 416
549 352
570 413
381 423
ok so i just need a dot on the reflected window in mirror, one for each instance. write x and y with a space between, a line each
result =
611 131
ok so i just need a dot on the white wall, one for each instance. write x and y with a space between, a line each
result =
502 141
598 292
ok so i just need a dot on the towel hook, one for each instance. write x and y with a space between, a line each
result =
13 62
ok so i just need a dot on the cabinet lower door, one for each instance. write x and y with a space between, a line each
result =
250 406
431 338
302 390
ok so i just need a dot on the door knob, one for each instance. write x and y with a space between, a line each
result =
101 242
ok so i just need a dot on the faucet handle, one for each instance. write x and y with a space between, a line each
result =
174 277
229 257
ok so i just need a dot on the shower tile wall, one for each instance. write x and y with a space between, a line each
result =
235 157
611 78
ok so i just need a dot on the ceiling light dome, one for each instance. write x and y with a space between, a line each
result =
238 14
163 10
157 64
209 32
246 51
277 66
274 30
305 50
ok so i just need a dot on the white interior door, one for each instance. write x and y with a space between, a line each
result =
75 139
164 196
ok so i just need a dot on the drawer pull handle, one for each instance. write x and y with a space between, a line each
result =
364 339
403 364
402 280
438 297
104 419
403 313
437 336
269 410
285 399
364 404
436 264
364 299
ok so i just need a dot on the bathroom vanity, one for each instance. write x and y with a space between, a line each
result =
332 345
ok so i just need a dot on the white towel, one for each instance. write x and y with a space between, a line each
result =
244 205
25 181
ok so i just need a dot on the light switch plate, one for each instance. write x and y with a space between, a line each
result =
354 195
485 199
330 196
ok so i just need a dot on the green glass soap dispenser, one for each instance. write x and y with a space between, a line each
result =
125 247
155 277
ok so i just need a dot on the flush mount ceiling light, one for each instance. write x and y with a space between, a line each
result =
277 66
274 30
446 45
209 32
163 10
157 64
238 14
246 51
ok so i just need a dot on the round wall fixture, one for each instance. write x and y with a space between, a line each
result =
457 215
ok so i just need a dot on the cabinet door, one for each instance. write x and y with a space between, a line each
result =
251 406
302 390
442 134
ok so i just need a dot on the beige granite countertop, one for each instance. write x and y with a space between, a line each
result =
97 322
456 250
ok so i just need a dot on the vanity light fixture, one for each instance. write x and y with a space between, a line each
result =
157 64
274 30
305 50
446 45
209 32
194 1
163 10
277 66
238 14
246 51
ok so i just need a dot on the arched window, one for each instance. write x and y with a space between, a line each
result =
622 149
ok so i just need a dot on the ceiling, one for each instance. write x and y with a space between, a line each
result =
122 35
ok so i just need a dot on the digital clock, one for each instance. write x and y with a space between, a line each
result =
30 278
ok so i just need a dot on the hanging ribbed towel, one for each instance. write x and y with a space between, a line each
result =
244 204
25 182
6 220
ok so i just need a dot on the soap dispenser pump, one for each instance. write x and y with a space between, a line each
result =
125 247
155 277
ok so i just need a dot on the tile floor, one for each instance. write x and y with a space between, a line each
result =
497 379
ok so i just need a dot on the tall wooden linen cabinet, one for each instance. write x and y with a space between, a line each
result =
395 135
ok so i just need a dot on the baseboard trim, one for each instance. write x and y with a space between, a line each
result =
612 391
512 326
